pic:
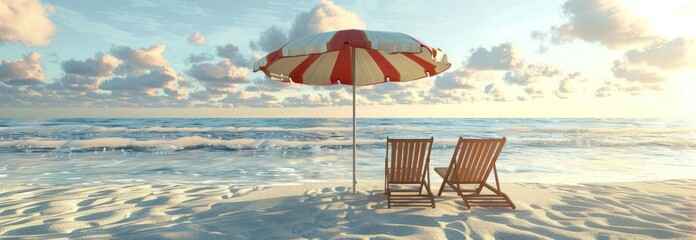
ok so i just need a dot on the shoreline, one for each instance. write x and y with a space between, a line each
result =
636 210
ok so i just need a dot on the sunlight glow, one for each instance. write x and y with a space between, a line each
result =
670 18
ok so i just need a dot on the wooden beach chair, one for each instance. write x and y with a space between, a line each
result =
408 164
472 162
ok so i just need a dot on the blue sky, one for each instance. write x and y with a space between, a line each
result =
574 58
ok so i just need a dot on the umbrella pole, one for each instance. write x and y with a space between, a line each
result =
354 146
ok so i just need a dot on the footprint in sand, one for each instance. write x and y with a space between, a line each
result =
457 230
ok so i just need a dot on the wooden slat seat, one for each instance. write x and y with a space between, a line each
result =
472 162
408 164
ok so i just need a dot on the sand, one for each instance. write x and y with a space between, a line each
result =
636 210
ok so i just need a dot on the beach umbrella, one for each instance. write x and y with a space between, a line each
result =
353 57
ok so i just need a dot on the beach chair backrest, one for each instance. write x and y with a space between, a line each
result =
474 159
409 159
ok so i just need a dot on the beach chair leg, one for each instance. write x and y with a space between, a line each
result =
466 203
512 205
388 192
442 188
430 194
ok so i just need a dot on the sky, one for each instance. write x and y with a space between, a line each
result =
535 58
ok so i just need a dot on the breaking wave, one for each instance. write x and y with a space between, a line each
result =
183 143
156 129
628 130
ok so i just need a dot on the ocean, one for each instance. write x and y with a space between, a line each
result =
292 151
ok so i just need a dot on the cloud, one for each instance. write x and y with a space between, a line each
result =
266 84
623 70
242 99
147 84
646 68
99 66
105 80
21 72
219 78
124 74
677 53
606 22
231 52
532 93
308 100
325 16
196 38
383 94
463 78
25 21
197 58
148 58
533 73
270 40
612 87
569 85
496 93
145 72
77 82
505 56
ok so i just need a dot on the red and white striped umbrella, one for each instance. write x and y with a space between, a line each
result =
328 58
353 57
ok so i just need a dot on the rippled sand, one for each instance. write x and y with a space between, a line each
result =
638 210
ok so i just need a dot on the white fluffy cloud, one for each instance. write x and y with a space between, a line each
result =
196 38
146 72
325 16
147 84
87 75
197 58
622 70
99 66
389 93
25 21
270 40
531 74
242 99
231 52
463 78
270 85
677 53
504 56
569 84
531 94
149 58
221 77
25 71
599 21
308 100
127 74
497 93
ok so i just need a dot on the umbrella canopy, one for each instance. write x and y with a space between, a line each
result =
353 57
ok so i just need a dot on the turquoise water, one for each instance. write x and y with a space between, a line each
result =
290 151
